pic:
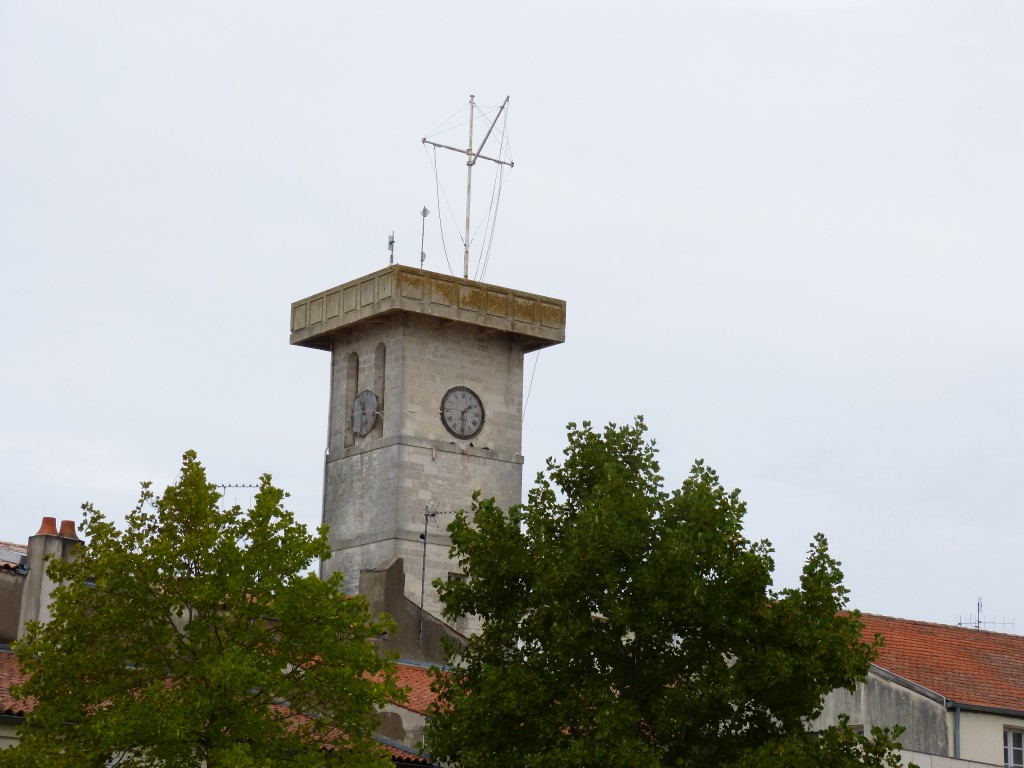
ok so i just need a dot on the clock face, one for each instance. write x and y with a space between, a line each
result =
364 413
462 412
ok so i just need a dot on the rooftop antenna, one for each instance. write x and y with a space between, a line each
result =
391 247
978 623
423 233
224 487
472 156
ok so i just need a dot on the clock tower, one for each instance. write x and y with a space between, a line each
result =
426 407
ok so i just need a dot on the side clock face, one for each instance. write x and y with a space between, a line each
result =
462 412
364 413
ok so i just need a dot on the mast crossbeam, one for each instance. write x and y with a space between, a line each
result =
473 156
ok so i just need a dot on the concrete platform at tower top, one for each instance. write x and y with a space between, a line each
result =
538 320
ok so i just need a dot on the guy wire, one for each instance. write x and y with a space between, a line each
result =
440 225
530 388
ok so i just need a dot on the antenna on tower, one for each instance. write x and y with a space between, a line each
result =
430 512
224 487
423 233
391 248
472 156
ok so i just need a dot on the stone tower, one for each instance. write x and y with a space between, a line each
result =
426 404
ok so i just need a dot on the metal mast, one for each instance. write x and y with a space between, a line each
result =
429 513
472 157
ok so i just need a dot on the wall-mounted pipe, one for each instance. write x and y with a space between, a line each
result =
956 731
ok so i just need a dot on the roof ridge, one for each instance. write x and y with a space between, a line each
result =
939 624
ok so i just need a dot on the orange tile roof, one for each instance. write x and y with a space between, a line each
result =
10 674
417 680
967 666
12 548
404 755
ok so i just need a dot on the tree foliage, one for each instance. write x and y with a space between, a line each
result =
196 636
629 626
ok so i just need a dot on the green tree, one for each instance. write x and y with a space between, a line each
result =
197 636
629 626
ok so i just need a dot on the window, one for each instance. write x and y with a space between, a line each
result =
456 576
1013 748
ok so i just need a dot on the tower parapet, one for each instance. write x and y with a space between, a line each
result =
538 320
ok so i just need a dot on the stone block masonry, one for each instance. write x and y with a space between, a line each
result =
409 336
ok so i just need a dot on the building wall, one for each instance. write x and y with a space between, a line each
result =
384 589
930 725
981 735
402 726
12 584
884 703
378 486
923 760
9 732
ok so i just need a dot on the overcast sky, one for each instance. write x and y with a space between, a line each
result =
789 233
